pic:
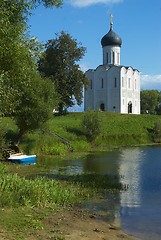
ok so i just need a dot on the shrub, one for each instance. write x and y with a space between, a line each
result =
91 124
81 146
157 131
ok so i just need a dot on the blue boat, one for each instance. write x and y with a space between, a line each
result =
23 159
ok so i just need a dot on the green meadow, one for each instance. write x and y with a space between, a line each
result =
61 134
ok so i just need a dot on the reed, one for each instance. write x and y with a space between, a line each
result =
18 191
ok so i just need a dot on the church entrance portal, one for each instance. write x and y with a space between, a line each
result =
130 107
102 107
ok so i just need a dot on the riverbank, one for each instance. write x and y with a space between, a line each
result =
78 224
66 224
22 218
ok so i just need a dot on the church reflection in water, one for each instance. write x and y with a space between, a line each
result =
138 209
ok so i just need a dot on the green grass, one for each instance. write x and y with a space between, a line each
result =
18 191
116 130
26 202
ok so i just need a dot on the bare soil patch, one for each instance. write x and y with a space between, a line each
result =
78 224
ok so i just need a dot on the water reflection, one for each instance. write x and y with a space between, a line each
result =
130 165
139 208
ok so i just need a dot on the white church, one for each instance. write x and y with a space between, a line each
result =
113 87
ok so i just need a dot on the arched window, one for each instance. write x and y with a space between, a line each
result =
130 107
102 107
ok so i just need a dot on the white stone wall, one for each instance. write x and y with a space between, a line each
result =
130 90
111 55
115 87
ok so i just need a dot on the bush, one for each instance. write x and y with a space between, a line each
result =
91 124
157 131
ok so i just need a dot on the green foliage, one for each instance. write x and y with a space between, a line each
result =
59 63
23 93
18 191
81 146
157 131
91 124
55 149
48 3
35 106
150 100
19 221
116 130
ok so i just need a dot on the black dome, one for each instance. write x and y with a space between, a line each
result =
111 39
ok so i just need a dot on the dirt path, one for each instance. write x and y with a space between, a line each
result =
68 224
77 224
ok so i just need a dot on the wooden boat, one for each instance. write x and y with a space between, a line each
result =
22 159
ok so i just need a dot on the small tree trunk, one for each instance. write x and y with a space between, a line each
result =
61 108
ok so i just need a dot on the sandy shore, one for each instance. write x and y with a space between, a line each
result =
69 224
77 224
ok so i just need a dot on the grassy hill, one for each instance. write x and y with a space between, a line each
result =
116 130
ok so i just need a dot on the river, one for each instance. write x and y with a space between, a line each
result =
138 209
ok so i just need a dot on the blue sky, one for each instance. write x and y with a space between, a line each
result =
137 22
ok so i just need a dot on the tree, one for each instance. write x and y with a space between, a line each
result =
59 63
24 95
91 124
157 131
35 105
149 101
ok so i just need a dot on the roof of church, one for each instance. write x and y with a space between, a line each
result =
111 39
108 67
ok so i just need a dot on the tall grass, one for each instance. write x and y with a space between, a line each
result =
18 191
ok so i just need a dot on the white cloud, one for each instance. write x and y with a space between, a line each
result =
86 3
84 66
150 82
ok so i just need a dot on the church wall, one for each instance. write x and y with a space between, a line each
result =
130 90
88 92
100 87
113 93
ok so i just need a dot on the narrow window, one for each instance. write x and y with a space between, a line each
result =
107 58
129 82
118 56
135 84
91 84
123 101
115 82
113 57
102 82
122 82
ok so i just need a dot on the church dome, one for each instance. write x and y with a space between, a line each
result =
111 39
